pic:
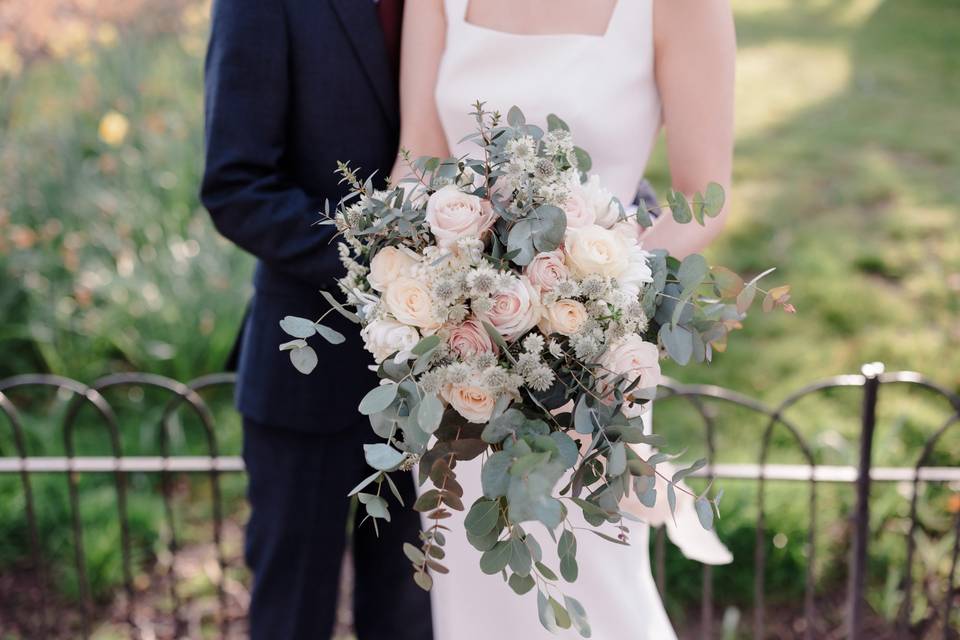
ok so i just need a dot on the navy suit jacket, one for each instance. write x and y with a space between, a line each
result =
292 86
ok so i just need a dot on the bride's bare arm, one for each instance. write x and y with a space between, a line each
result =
695 48
424 33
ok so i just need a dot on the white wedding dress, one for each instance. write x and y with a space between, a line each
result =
604 88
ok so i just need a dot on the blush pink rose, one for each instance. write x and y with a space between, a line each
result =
580 213
547 270
515 309
453 214
470 339
633 357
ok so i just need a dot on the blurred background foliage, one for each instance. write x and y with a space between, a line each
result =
846 178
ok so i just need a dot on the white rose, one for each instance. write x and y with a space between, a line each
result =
632 357
638 272
453 214
390 263
472 402
594 250
565 317
515 309
410 302
605 212
384 337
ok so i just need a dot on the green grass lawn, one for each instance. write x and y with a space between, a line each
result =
847 178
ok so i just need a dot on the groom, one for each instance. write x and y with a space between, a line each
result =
292 86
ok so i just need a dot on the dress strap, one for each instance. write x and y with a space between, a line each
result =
631 18
456 12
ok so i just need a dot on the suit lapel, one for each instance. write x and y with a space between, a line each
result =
359 20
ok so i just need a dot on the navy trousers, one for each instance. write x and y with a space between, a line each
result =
298 532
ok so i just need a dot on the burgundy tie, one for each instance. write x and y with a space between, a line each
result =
391 19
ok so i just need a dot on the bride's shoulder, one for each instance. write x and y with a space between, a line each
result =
687 21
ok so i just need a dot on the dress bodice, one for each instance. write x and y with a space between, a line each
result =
603 86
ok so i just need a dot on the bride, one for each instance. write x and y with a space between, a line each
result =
616 71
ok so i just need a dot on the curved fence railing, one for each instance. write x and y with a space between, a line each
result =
702 398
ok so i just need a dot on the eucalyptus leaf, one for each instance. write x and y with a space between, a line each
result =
693 270
678 342
423 580
364 483
679 207
330 335
430 413
349 315
554 123
547 617
520 560
713 200
672 500
566 447
297 327
304 359
413 554
376 506
560 614
515 117
382 456
704 513
548 226
495 560
299 343
426 345
683 473
482 517
520 240
584 163
495 475
616 459
582 420
378 399
578 615
569 569
521 584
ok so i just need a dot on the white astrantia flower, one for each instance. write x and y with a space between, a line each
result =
555 349
522 147
541 378
482 280
533 343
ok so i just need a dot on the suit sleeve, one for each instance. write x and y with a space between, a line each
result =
253 201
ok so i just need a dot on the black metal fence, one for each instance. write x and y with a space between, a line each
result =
703 398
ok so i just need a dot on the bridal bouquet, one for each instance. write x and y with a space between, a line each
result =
513 314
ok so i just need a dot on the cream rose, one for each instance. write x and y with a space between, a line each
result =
470 339
453 214
388 264
383 337
547 270
515 309
472 402
410 302
632 357
594 250
565 317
